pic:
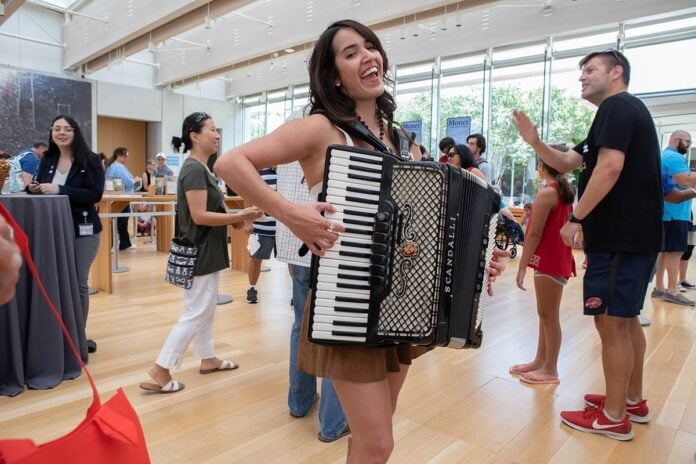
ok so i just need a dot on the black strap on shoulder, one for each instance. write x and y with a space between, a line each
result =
355 129
401 140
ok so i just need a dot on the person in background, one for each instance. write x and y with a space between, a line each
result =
29 160
10 264
202 219
619 210
553 264
162 170
514 227
425 156
676 220
444 145
104 160
460 155
148 175
302 387
117 169
70 168
263 231
347 83
477 145
526 215
684 261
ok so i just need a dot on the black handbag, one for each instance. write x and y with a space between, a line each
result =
183 258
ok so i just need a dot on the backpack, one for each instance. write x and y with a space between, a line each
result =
15 176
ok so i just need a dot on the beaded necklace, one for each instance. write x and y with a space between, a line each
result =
380 121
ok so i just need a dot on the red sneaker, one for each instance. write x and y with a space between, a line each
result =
638 412
593 420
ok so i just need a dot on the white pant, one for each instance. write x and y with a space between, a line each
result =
195 325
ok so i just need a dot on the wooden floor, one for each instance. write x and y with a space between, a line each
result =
456 406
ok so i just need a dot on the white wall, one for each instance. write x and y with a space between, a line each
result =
128 72
176 107
128 102
37 23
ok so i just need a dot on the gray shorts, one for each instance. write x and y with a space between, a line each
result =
267 243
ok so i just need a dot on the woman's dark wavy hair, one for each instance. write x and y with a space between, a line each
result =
80 150
328 99
567 192
465 155
119 151
192 123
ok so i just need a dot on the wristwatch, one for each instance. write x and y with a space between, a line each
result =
573 219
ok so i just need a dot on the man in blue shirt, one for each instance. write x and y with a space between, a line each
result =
676 218
29 159
162 170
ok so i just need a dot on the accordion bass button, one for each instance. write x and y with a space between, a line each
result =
380 237
382 216
381 226
379 248
376 271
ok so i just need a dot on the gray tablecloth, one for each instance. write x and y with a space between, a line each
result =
33 351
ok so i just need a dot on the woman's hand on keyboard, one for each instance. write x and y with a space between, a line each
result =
310 226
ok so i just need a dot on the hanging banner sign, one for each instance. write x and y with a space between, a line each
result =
416 127
459 128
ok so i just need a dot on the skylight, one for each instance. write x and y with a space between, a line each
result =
60 3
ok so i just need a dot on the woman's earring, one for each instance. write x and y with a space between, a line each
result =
338 84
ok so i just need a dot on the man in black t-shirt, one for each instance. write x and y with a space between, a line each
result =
620 210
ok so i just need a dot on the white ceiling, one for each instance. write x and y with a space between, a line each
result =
238 44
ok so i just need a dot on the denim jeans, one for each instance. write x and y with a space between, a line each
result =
303 386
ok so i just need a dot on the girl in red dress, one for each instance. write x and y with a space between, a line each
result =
553 264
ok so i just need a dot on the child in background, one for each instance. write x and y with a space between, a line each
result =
526 215
552 260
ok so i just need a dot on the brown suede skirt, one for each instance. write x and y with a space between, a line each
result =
350 363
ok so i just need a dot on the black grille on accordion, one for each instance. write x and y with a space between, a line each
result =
411 265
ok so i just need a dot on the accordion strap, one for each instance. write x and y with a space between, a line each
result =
401 140
23 243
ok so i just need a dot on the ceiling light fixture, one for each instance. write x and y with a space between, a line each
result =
289 50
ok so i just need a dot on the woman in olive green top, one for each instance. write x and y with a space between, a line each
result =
201 218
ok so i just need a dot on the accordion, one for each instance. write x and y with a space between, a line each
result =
411 264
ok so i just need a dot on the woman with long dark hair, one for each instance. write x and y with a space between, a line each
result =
70 168
347 85
460 155
201 218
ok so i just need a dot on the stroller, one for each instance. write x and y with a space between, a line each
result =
508 234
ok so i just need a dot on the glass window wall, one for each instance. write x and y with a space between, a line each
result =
518 87
660 55
254 117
